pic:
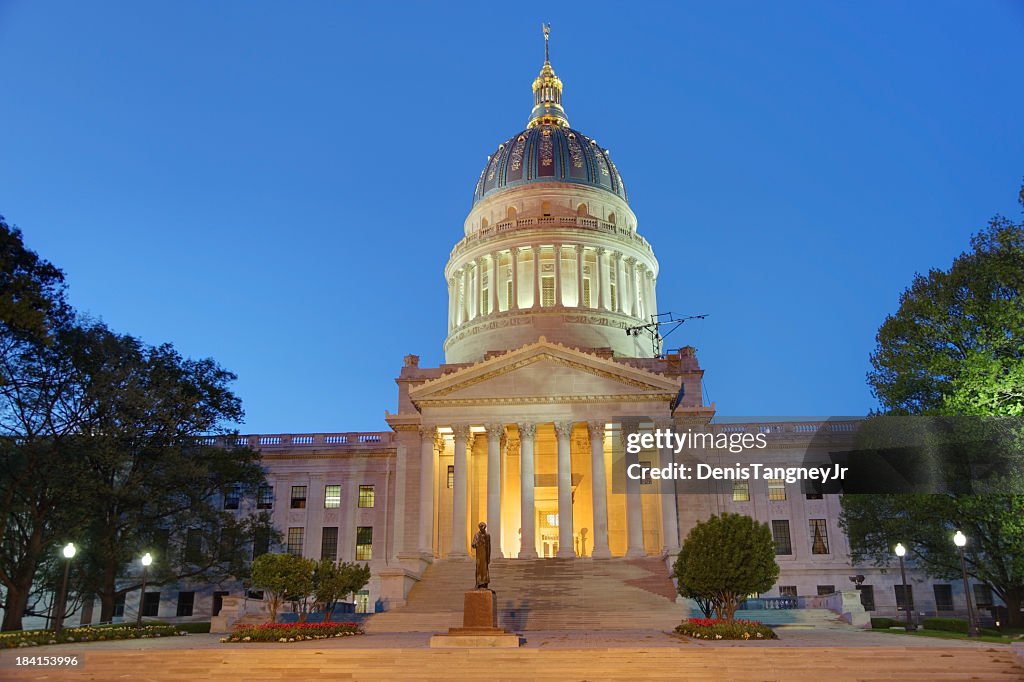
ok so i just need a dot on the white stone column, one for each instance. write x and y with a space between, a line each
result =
558 275
669 516
536 276
464 307
579 278
651 282
528 544
427 477
620 282
514 303
494 434
480 265
602 297
599 490
451 304
563 431
631 279
641 291
492 284
398 544
459 547
634 508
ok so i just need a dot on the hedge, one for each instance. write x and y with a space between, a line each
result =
709 628
291 632
26 638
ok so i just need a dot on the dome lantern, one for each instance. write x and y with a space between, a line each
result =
547 93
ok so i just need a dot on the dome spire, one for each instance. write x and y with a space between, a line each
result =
547 92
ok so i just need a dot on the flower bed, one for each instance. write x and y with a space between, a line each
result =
25 638
291 632
709 628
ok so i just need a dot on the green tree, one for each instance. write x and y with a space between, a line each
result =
285 577
31 289
332 582
724 559
954 347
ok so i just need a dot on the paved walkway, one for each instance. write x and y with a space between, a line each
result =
558 656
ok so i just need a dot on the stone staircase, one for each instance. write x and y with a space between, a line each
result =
544 594
816 618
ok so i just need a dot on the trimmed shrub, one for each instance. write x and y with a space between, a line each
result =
947 624
709 628
292 632
885 623
26 638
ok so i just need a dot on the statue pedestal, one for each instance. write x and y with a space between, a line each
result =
479 625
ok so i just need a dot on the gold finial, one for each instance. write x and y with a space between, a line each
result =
547 92
547 36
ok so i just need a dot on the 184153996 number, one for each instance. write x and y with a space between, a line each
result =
46 661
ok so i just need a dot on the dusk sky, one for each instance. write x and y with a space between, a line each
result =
278 185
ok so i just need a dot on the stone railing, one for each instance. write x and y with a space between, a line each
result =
796 428
293 440
771 603
503 228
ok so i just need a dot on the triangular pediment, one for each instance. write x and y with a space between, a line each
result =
544 371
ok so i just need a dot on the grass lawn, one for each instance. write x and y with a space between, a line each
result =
987 636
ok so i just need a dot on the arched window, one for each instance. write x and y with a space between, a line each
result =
611 218
581 211
545 208
510 213
484 223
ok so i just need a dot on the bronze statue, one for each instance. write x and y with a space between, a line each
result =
482 545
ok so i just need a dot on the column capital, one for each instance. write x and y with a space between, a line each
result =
630 260
427 432
527 429
600 250
650 274
563 429
514 250
462 432
596 428
664 423
494 430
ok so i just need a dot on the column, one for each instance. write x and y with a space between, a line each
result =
620 282
536 276
514 303
558 275
579 278
493 284
403 453
464 307
599 490
494 434
563 430
669 515
480 285
631 279
602 302
641 292
634 510
652 296
460 549
426 536
451 304
528 548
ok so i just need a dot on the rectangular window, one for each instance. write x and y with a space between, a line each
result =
332 497
901 598
151 605
365 496
776 489
547 289
814 489
740 491
867 597
586 293
614 302
298 497
186 600
824 590
787 590
982 595
485 303
645 479
296 537
260 542
329 544
943 597
226 545
119 605
508 295
193 546
363 601
451 476
819 537
780 533
265 497
364 543
232 497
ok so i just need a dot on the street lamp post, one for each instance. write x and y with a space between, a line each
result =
147 559
900 552
69 554
960 540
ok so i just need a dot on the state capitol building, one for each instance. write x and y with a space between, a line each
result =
517 429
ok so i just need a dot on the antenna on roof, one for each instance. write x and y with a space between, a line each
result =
653 329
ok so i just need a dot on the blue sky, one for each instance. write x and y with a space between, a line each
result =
278 185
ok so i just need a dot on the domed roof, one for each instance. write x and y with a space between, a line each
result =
548 150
